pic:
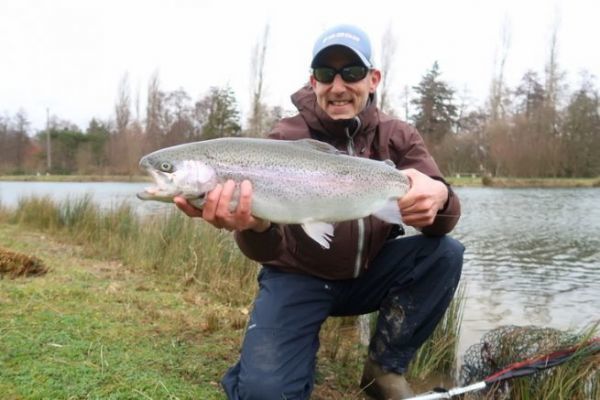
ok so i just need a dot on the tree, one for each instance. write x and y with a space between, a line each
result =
388 53
218 114
258 118
124 149
20 139
123 106
178 119
581 130
552 84
154 112
98 134
66 142
435 114
498 92
530 95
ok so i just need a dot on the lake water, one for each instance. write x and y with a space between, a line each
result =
533 255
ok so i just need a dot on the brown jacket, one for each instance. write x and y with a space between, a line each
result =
355 243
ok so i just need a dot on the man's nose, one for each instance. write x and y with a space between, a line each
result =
338 84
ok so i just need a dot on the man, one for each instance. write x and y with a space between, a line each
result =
410 281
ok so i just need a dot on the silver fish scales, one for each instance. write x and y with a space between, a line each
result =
294 182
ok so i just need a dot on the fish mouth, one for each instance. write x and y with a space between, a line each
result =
163 188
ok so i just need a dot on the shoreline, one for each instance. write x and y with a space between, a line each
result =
501 182
512 182
75 178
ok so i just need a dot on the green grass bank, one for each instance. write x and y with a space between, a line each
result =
154 308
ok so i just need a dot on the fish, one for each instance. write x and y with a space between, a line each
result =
305 182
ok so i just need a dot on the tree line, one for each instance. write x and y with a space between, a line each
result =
537 129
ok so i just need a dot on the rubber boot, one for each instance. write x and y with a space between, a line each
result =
381 385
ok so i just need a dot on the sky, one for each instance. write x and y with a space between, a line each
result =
68 56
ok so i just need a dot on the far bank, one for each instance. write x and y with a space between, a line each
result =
459 181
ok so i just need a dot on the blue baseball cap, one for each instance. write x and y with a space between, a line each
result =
348 36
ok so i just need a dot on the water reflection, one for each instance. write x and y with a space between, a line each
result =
532 257
532 254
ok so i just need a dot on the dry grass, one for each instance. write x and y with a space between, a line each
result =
13 265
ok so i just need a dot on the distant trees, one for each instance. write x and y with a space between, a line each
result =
218 114
436 113
536 128
581 131
16 148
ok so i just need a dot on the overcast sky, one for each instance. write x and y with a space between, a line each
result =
69 55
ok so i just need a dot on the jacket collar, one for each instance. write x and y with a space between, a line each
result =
319 121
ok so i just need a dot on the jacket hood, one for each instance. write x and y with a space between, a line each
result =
319 121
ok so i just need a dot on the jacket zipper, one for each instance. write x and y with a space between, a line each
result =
360 222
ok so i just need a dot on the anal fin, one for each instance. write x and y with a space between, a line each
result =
320 232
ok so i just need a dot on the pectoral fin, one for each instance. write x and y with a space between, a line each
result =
320 232
390 212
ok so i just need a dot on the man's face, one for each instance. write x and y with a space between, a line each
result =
341 99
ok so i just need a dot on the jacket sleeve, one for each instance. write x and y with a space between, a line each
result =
408 148
261 247
264 246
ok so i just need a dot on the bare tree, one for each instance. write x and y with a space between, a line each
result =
552 84
179 118
388 53
154 111
123 107
258 110
405 96
498 91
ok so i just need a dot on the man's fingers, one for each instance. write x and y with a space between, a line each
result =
245 202
210 206
186 207
225 199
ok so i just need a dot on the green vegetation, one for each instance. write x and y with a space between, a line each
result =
578 378
91 329
149 308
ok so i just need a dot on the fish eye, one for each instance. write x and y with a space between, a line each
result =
166 166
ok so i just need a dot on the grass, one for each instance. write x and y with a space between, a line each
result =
150 308
438 355
132 308
576 379
96 329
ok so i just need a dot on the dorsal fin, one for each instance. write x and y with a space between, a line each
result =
316 145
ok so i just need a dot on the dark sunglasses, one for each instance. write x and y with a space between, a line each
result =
350 74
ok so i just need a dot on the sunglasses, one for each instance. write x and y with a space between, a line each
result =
350 74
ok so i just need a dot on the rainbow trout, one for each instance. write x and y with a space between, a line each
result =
305 182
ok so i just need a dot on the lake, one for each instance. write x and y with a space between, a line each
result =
533 255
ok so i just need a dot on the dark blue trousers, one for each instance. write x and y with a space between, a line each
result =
410 283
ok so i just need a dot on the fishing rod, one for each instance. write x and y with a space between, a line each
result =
518 369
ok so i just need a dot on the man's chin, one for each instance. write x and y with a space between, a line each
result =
340 115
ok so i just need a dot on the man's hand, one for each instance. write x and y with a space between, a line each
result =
216 209
423 200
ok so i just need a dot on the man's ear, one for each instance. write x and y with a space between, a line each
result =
374 79
313 81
